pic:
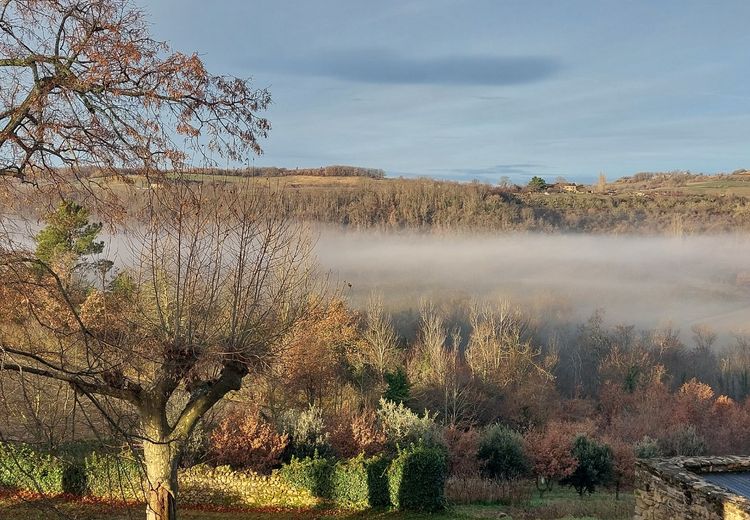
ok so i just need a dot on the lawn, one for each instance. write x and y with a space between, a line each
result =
562 504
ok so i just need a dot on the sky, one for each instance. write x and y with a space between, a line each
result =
481 89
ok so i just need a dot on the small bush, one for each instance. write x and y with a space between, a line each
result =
359 434
594 466
368 436
24 468
647 448
501 453
462 446
245 441
341 437
416 479
403 427
684 441
307 433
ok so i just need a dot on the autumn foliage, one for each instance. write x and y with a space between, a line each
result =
246 441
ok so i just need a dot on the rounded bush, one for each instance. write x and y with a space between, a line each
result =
501 453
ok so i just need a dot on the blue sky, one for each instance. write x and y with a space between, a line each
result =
486 88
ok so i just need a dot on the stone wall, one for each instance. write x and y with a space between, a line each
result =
203 485
673 488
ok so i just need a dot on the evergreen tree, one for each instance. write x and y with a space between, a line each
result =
594 466
67 237
537 184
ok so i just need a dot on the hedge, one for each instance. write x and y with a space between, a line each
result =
26 468
416 479
377 481
501 453
361 482
357 483
112 476
22 467
313 474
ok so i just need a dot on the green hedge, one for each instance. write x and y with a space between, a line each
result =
377 481
313 474
112 476
75 471
416 479
361 482
22 467
358 483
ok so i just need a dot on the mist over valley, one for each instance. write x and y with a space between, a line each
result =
647 281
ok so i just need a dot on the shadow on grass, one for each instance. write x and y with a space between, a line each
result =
26 506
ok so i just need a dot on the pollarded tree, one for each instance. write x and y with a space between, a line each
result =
85 89
212 279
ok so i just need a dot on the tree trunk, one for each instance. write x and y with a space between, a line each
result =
161 461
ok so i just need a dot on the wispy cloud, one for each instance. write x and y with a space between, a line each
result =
521 169
387 67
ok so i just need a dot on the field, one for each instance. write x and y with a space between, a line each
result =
562 504
739 188
287 181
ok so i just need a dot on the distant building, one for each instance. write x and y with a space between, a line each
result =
573 188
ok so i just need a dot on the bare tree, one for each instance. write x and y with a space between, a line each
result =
213 278
498 350
439 365
381 342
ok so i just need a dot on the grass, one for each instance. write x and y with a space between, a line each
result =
720 187
557 505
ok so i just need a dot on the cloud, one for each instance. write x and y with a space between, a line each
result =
385 67
526 169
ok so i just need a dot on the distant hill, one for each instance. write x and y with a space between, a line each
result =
335 170
734 183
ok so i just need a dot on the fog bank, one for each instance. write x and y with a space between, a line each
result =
646 281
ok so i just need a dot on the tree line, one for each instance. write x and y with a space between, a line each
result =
430 205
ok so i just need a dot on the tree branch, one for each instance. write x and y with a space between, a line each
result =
207 395
128 392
